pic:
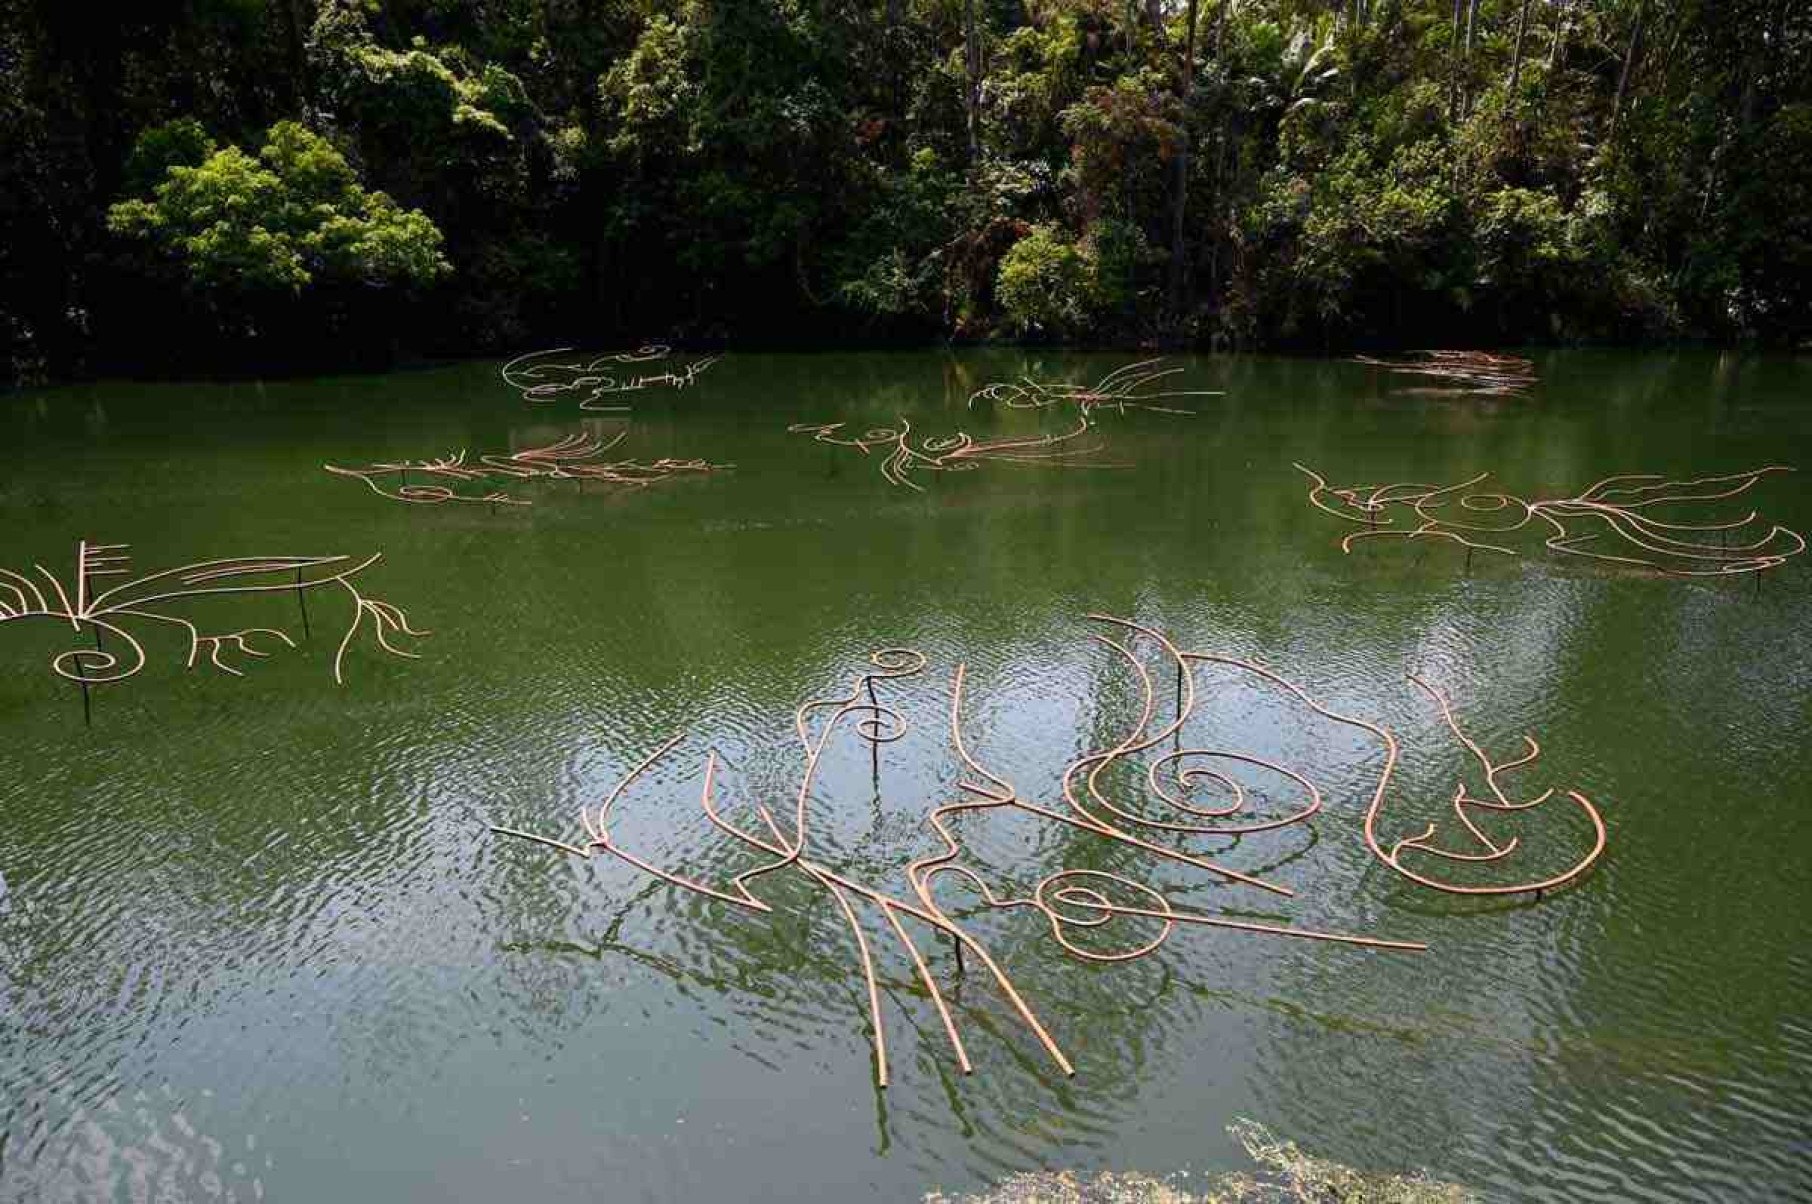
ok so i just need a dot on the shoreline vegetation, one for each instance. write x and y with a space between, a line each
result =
1286 1175
293 184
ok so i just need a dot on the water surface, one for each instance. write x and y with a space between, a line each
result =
255 941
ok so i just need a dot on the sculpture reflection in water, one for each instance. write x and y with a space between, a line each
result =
1081 907
109 614
1614 520
576 457
1122 389
562 373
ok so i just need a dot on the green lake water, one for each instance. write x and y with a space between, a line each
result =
257 943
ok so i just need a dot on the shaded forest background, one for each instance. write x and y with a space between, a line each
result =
191 184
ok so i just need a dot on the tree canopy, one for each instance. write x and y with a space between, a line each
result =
1303 173
294 214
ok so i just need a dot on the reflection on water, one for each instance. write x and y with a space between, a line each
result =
255 939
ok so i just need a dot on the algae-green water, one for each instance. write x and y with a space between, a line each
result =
256 941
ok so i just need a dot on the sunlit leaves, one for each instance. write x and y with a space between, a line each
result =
281 220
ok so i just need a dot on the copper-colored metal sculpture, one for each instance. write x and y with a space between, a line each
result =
573 458
1462 373
1070 901
540 378
1610 521
1119 389
107 612
1493 850
961 452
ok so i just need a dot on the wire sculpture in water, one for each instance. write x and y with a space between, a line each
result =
1462 373
1494 851
959 452
1610 521
1119 389
574 457
1075 904
107 613
540 378
902 456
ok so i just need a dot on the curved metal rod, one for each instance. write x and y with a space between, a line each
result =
961 452
1622 529
1071 901
1465 372
539 379
145 597
574 457
1494 851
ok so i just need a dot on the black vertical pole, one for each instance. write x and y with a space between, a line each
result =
302 601
874 746
87 714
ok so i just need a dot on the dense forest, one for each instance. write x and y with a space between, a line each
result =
194 183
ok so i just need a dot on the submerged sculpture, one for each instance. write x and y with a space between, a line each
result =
1078 905
1612 520
108 613
1461 373
1122 389
576 457
539 377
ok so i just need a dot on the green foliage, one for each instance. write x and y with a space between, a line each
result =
1051 286
1046 283
1293 174
292 216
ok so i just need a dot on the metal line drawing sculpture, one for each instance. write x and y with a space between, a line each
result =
574 457
1119 389
961 452
1494 851
1070 901
104 612
540 379
1615 512
1465 373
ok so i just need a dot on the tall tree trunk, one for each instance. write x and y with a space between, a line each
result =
1472 20
297 52
1179 266
972 59
1629 64
894 51
1218 161
1453 66
1516 55
1560 35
